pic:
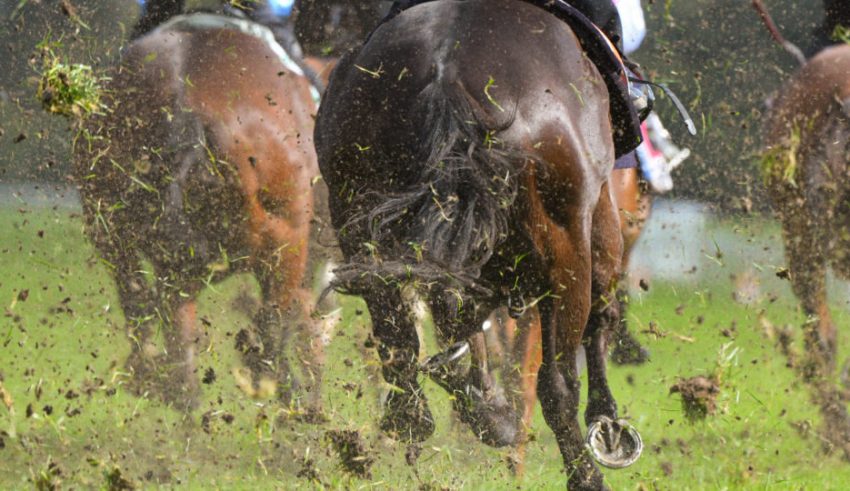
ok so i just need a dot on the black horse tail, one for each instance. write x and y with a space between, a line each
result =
452 217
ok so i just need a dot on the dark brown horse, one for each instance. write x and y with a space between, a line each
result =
203 167
806 162
467 148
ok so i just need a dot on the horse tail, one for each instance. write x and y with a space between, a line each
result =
450 219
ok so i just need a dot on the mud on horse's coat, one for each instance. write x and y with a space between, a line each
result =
203 166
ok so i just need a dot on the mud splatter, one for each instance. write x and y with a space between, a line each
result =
352 451
699 396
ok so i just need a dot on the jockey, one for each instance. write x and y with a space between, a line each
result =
657 155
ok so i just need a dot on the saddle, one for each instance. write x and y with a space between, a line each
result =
601 51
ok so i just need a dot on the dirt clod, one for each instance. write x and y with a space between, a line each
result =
352 451
115 481
209 376
308 471
699 396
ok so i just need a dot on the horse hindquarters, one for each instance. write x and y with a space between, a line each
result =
514 181
805 164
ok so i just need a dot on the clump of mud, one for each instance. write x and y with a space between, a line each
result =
352 451
309 471
699 396
115 481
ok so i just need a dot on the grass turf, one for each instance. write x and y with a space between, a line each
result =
62 349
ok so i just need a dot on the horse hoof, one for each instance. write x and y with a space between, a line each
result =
407 417
489 415
614 444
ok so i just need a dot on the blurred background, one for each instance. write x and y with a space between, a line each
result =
715 54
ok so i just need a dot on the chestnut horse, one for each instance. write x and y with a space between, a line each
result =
805 163
203 167
467 149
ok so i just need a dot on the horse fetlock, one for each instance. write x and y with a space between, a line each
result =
592 483
489 415
600 406
821 345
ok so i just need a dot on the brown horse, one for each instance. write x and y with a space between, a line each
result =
454 170
805 163
203 167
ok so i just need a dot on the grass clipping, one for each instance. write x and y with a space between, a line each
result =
780 162
72 90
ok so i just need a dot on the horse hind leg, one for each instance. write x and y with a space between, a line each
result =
406 413
633 204
806 248
180 385
263 347
526 349
613 442
321 315
312 334
139 305
476 397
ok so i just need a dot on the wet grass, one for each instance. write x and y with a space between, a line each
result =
62 350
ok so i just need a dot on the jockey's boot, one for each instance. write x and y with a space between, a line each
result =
660 156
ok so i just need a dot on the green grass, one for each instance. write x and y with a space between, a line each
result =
68 334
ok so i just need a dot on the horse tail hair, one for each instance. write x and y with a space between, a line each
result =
449 222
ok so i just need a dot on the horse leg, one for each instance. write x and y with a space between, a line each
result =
606 247
563 317
633 205
527 349
478 400
805 250
310 340
321 322
558 385
482 403
614 443
285 310
181 385
498 335
406 415
138 304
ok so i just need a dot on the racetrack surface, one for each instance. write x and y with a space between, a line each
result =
62 350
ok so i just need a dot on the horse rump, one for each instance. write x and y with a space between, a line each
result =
449 222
